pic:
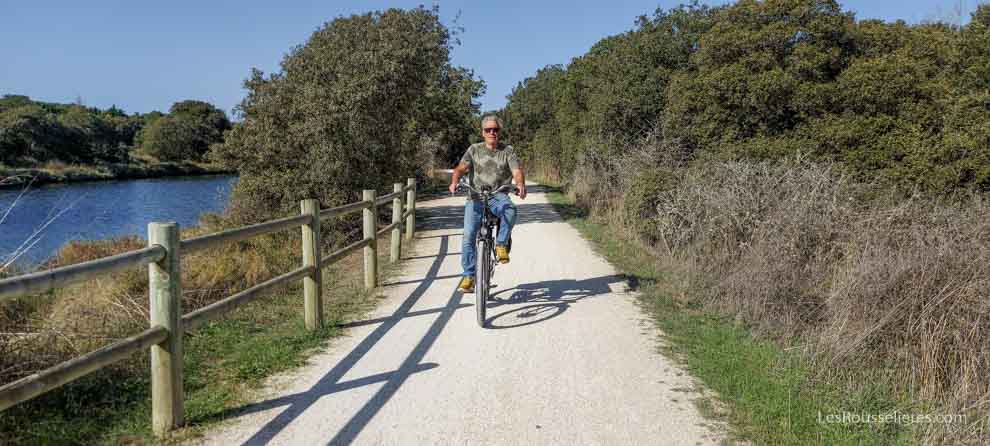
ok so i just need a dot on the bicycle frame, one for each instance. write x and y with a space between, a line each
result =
485 251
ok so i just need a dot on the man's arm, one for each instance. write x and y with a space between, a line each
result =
459 171
520 178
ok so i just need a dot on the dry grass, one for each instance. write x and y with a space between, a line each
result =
868 283
40 331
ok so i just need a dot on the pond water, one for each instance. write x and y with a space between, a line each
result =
33 226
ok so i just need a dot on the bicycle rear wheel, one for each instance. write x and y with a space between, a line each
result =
484 275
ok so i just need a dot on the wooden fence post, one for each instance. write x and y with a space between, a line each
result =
370 230
397 221
165 292
411 207
312 284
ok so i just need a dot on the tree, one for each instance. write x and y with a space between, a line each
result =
760 71
899 103
529 109
9 101
616 91
186 133
23 130
355 107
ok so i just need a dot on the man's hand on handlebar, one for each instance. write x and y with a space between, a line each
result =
519 190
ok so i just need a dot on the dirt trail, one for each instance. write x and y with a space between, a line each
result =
569 358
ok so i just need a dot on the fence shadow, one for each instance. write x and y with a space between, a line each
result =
297 404
535 302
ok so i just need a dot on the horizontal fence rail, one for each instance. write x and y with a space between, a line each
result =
388 228
54 377
43 281
344 210
343 252
203 315
163 256
235 235
386 199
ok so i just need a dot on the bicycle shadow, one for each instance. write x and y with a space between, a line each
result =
532 303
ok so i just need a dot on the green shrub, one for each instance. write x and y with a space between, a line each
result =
367 101
186 133
639 207
895 103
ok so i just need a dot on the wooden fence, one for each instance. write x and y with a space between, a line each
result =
168 324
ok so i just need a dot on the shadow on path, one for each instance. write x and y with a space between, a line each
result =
330 383
551 298
430 257
545 300
452 216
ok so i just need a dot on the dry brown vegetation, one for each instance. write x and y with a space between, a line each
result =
40 331
869 284
223 360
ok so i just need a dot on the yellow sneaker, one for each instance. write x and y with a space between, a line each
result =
466 285
502 253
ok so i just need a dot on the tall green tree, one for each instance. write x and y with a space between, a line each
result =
617 90
355 107
186 133
761 70
892 102
529 110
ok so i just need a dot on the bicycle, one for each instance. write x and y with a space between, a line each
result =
485 251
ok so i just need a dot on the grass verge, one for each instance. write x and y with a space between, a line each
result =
226 361
770 393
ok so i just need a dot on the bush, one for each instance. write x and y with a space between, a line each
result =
350 110
905 104
865 279
640 202
186 133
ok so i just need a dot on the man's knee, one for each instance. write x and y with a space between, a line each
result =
509 211
503 206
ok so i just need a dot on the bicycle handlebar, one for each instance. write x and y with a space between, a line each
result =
505 187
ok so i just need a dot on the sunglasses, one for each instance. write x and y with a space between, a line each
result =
492 130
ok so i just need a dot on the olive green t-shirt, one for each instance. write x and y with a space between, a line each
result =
489 168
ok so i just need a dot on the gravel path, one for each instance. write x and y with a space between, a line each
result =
570 359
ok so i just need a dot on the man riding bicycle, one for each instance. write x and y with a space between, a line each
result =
491 164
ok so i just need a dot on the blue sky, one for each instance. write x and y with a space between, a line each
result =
144 56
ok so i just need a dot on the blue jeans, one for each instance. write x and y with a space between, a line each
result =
503 208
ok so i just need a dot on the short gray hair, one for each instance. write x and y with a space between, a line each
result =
491 117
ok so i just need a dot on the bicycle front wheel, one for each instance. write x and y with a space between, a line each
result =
484 274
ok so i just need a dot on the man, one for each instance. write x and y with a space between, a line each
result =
491 164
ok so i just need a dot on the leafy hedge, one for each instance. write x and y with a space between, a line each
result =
903 104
